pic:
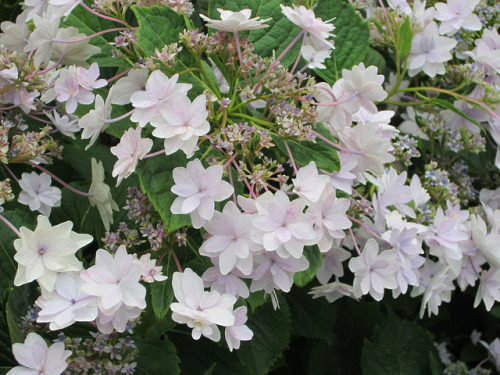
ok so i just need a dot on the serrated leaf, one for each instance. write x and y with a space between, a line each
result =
304 152
89 24
405 38
313 255
277 36
397 348
157 27
157 357
271 335
352 38
312 318
157 179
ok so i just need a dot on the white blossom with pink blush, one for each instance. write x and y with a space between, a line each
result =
331 264
429 52
37 358
69 91
230 240
151 272
273 272
114 280
125 87
335 117
333 291
96 121
489 288
197 189
308 184
231 283
239 331
66 124
47 250
235 21
159 89
487 51
88 78
37 193
330 219
200 310
374 271
118 320
129 151
309 23
181 122
68 304
343 179
457 14
283 227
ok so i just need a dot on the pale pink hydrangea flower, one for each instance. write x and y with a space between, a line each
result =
308 184
118 320
283 227
36 358
96 121
333 291
68 304
374 271
66 124
159 89
197 189
235 21
101 194
200 310
429 52
487 51
489 288
129 151
456 14
239 331
230 283
114 280
335 117
181 122
331 264
308 22
37 192
125 87
151 272
230 240
88 78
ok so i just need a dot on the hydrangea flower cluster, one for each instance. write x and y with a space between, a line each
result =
247 167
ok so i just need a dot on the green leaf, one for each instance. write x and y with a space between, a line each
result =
157 357
271 335
405 38
313 255
373 57
6 357
157 27
8 266
21 299
89 24
352 38
276 37
156 179
312 318
304 152
328 359
397 347
162 296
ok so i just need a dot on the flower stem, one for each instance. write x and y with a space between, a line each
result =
178 264
354 242
30 76
10 225
238 48
153 154
340 148
103 16
124 116
11 173
120 75
232 184
67 186
291 157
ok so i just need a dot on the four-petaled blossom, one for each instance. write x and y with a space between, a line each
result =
36 358
47 250
37 192
129 151
197 189
235 21
200 310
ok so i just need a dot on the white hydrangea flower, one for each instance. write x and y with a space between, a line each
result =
235 21
101 195
37 192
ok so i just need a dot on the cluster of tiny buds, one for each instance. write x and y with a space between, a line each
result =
125 38
405 148
460 173
5 192
438 181
267 173
293 120
123 236
28 323
27 146
168 54
184 7
101 354
109 6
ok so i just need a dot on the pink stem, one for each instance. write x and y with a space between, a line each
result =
6 108
230 160
369 229
27 78
354 242
11 173
245 181
291 157
232 184
153 154
300 54
124 116
67 186
340 148
89 36
334 102
103 16
238 48
178 264
11 226
120 75
39 119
